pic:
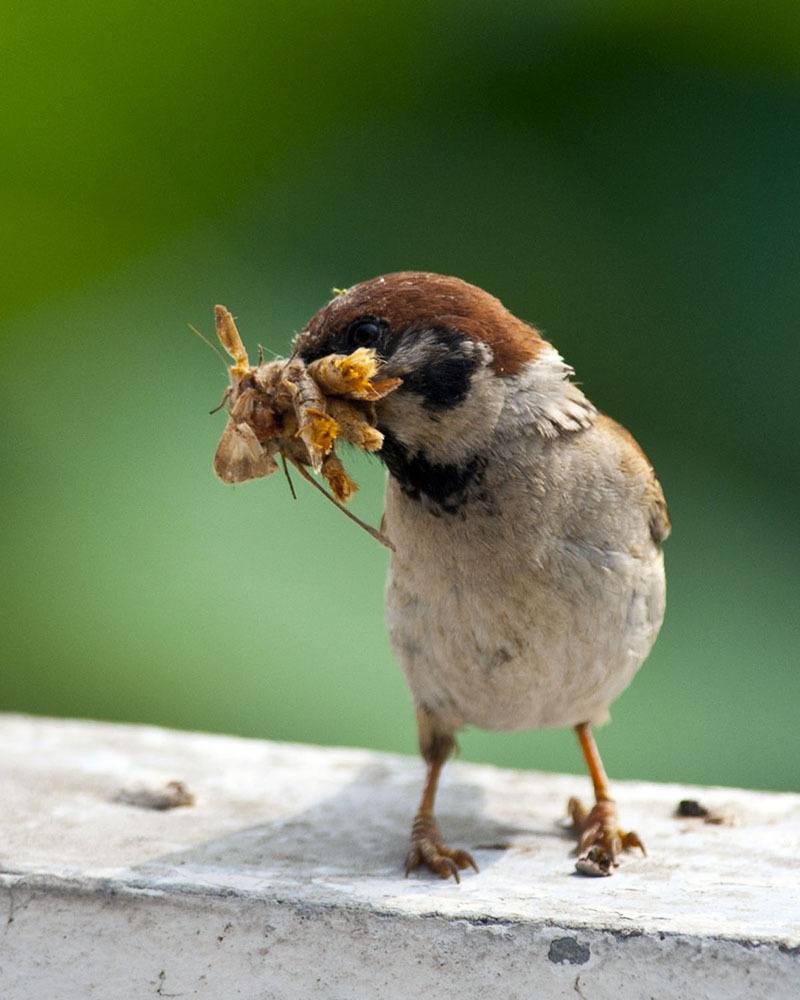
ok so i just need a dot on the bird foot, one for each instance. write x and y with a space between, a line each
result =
427 849
600 839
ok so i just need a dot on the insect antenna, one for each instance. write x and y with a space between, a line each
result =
213 347
262 350
222 402
378 535
288 477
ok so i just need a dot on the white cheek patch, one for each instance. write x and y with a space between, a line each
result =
450 436
542 397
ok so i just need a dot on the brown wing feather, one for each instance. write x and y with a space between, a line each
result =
636 463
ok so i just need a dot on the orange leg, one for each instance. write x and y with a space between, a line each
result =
427 848
599 838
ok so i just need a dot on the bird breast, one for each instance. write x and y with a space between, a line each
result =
531 601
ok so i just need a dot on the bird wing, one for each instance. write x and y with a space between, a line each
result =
635 463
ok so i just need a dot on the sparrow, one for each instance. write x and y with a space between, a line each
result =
526 584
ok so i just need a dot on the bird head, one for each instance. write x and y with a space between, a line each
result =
460 354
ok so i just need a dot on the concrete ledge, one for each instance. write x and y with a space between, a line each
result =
284 879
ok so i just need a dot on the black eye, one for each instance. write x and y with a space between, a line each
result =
364 333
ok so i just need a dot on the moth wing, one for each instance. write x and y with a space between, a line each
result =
240 457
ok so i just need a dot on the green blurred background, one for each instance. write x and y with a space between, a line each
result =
625 175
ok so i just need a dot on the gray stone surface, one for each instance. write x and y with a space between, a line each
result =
284 879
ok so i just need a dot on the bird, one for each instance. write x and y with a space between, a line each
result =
526 584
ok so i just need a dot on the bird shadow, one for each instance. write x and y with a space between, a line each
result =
360 829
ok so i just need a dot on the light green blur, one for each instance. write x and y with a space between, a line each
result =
623 175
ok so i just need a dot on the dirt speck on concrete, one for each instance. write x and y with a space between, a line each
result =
171 796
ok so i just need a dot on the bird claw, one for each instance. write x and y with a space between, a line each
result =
427 849
600 840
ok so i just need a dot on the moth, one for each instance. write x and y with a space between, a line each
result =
285 408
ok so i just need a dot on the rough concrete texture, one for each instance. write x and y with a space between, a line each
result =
284 879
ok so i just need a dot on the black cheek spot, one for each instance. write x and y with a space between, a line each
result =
444 382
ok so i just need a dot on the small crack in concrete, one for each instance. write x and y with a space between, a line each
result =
162 977
11 907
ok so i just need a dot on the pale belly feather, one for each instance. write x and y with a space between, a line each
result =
519 640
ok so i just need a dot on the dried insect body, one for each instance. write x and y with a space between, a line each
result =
340 483
353 428
298 411
240 456
230 340
315 428
352 375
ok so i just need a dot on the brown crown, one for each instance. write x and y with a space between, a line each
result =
419 299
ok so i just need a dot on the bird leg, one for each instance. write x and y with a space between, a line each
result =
599 838
436 745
